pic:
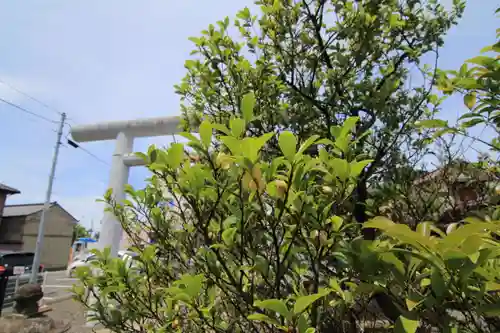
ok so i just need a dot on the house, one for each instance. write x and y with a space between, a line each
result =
445 195
4 192
19 230
463 189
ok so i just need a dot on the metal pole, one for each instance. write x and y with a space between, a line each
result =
39 239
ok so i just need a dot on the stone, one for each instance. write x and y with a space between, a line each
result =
17 323
27 298
27 317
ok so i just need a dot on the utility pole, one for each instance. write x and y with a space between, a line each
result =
41 226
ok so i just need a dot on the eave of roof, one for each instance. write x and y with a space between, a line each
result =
29 209
9 190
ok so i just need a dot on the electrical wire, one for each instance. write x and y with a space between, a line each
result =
20 108
77 146
29 96
70 142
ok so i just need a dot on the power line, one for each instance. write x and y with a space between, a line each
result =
77 146
29 96
88 152
20 108
70 142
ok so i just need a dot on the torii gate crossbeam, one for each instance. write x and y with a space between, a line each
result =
124 133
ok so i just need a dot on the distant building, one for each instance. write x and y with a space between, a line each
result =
19 230
4 192
445 195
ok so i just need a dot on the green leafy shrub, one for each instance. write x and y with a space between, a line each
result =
254 234
448 280
256 245
270 228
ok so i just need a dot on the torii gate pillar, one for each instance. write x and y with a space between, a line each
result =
124 133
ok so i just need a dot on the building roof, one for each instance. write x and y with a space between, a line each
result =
28 209
8 189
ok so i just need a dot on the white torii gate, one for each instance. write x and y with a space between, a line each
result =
124 133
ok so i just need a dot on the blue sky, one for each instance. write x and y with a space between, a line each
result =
118 60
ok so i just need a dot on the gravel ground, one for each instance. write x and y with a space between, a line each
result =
70 310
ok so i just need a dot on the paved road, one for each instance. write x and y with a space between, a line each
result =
57 285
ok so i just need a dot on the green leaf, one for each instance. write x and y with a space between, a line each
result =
393 20
437 283
195 40
469 115
189 136
247 105
481 60
348 126
302 324
222 128
175 155
262 140
431 123
379 222
337 222
472 122
411 304
228 236
335 131
340 168
182 297
232 143
492 310
424 228
307 143
405 325
470 100
472 245
193 284
303 302
237 126
469 83
264 318
288 143
275 305
357 167
391 259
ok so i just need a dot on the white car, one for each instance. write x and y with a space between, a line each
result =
79 262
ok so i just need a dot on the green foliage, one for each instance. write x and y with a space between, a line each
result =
244 229
478 80
256 245
270 229
447 279
313 64
79 231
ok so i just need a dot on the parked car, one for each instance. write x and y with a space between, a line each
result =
17 262
124 255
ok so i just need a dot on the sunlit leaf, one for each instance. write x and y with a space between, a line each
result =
263 318
470 100
288 143
405 325
175 155
228 235
237 126
431 123
247 105
274 305
303 302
